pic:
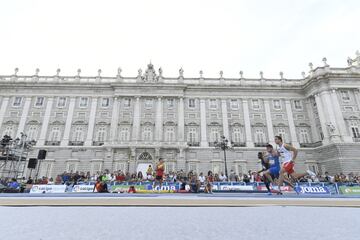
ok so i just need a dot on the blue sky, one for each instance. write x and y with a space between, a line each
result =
252 36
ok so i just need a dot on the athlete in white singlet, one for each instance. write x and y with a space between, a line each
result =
289 154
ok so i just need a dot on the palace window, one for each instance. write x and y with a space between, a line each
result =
237 136
61 102
298 104
55 134
105 102
101 134
9 131
281 133
78 134
127 102
17 101
304 136
214 134
170 134
277 104
192 135
170 102
345 95
124 134
259 136
32 133
213 103
83 102
355 130
234 104
191 103
147 133
148 103
255 104
39 102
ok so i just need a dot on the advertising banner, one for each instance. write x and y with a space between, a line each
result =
350 190
48 189
312 190
83 188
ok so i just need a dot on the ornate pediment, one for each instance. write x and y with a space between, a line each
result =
150 75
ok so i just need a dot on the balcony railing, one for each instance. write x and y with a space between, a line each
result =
356 139
238 144
260 144
76 143
311 145
97 143
52 143
193 144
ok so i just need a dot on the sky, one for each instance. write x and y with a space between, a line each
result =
228 35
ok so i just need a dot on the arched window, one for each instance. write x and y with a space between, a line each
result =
304 136
55 134
101 134
79 134
9 130
192 135
170 134
355 129
236 136
147 133
259 136
281 133
145 156
214 134
124 134
32 133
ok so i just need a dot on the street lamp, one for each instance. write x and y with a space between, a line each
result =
223 144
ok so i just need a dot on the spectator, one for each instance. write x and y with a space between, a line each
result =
14 184
232 176
201 178
140 176
222 177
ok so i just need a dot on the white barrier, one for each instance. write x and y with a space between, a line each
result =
83 188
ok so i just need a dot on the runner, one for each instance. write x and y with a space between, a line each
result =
266 165
160 168
289 154
271 166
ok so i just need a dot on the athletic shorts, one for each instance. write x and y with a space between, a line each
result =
274 171
159 177
289 167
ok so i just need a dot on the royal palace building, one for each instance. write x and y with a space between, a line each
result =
119 123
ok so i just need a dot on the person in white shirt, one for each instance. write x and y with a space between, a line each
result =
201 178
289 154
222 177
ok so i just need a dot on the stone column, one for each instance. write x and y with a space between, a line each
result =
91 125
181 164
4 104
225 119
69 117
345 136
158 120
24 115
132 163
269 123
322 119
357 97
114 121
203 126
330 115
136 121
314 130
181 122
289 113
249 141
45 124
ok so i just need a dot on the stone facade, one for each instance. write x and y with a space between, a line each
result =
116 123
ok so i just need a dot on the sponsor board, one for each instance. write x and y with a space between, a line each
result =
48 189
83 188
312 190
283 188
353 190
224 187
146 188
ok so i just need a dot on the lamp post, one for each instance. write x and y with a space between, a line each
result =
223 144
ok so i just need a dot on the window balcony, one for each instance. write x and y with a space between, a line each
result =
52 143
76 143
98 143
193 144
311 145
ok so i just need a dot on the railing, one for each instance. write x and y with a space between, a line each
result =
52 143
96 143
75 143
356 139
311 145
238 144
193 144
260 144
